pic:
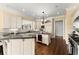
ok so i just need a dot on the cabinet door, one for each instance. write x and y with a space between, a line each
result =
16 46
29 47
33 25
19 22
21 47
6 21
38 25
45 39
13 22
27 22
48 27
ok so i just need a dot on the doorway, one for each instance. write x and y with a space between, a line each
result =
59 28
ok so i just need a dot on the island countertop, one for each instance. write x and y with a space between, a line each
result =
22 35
18 36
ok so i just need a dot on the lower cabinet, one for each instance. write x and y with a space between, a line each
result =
29 47
19 47
45 39
16 46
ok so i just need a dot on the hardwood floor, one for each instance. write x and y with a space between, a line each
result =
57 47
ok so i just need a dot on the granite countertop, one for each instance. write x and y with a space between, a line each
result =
23 32
18 36
21 35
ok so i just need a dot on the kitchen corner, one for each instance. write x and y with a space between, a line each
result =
24 41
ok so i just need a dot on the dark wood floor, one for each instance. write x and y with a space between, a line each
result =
57 47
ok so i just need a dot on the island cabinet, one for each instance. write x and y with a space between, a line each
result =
19 46
45 39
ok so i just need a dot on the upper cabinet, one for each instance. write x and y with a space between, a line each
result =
13 21
18 22
48 25
31 23
37 25
6 21
1 21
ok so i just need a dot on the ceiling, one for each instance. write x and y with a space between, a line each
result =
35 9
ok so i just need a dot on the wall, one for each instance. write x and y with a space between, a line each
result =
1 21
58 18
69 21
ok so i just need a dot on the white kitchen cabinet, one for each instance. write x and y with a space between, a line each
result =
13 22
48 27
19 46
38 25
18 22
10 21
29 22
6 21
46 39
29 47
33 25
16 46
12 47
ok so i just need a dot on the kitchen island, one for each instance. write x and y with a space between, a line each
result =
22 42
44 38
18 44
